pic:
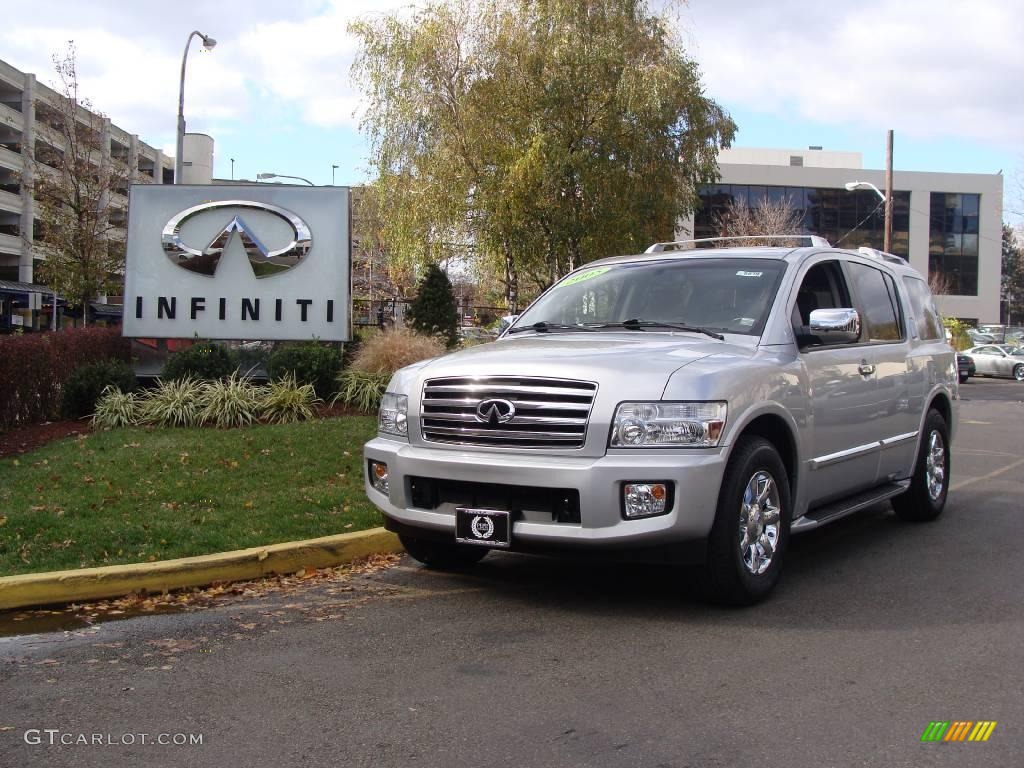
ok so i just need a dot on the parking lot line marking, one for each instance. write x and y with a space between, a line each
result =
994 473
980 452
970 421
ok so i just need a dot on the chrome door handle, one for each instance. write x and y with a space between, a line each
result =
866 369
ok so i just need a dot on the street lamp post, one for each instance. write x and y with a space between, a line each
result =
333 169
886 201
265 176
208 42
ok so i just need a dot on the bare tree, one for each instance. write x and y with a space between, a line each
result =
770 217
73 180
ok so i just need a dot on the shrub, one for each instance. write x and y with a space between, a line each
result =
361 389
35 366
85 385
309 362
231 402
388 351
116 409
351 348
433 311
204 360
175 403
285 400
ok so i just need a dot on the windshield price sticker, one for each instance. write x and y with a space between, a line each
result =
741 273
580 277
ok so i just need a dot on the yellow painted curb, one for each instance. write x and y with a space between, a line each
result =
239 565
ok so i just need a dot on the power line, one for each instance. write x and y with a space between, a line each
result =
860 223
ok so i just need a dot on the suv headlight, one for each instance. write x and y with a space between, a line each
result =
699 425
394 415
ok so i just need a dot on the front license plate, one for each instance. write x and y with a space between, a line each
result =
485 527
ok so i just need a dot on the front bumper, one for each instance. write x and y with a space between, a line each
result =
696 475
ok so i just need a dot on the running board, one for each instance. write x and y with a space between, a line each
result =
837 509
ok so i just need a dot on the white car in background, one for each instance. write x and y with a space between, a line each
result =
998 360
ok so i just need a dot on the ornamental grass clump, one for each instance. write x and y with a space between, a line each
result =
388 351
116 409
285 401
230 402
362 385
176 403
361 390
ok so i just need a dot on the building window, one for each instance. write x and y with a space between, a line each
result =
855 218
953 243
796 160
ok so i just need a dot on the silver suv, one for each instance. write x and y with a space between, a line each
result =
686 405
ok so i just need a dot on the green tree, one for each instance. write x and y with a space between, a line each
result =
433 311
1012 292
74 184
535 135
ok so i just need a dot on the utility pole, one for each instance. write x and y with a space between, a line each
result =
887 246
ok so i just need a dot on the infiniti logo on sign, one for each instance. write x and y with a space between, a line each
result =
264 261
495 412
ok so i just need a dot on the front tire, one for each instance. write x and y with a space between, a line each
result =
1018 372
926 497
441 555
750 534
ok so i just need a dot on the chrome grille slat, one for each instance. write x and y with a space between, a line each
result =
505 433
548 412
470 416
539 405
477 390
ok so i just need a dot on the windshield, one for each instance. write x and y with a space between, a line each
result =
726 295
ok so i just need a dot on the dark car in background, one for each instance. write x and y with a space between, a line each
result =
964 366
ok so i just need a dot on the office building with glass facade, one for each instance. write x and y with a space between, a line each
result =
948 225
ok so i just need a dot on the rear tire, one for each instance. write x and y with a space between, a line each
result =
750 534
926 497
442 556
1018 372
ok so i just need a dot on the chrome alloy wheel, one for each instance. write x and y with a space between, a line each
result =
935 465
760 515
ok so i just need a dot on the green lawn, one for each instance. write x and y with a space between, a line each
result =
135 495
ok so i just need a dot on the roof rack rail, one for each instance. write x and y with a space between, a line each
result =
874 253
806 240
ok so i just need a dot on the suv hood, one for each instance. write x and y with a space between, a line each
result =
645 359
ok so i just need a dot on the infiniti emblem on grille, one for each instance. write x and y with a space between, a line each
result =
495 412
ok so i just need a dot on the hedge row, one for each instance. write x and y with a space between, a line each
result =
35 366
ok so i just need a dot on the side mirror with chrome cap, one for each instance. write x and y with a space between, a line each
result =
835 326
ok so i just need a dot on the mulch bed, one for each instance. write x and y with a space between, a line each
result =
31 436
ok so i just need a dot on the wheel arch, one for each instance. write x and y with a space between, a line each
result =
776 430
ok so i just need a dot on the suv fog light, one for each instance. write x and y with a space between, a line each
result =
645 499
379 476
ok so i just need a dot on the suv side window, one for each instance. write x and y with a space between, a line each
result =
929 326
881 317
823 287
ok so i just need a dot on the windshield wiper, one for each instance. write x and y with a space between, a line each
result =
544 326
635 324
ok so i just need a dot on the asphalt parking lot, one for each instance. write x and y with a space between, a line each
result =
878 628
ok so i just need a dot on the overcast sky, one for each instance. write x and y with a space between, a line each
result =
276 96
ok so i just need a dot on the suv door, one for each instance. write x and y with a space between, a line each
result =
843 433
901 378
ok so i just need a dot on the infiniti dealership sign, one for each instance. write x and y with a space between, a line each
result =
238 262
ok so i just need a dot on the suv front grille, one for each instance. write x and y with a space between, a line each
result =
546 413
